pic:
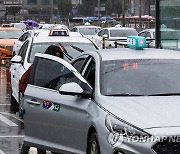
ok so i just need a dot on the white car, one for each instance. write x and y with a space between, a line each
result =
29 33
87 30
122 101
34 33
149 34
49 26
112 34
21 62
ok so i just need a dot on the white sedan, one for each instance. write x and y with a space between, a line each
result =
20 63
112 34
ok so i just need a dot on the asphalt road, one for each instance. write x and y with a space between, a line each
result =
11 131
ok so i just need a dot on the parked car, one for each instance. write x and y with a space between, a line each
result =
87 30
112 101
111 34
20 63
34 33
8 35
5 53
169 37
21 26
149 34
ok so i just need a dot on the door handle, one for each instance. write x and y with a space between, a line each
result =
33 102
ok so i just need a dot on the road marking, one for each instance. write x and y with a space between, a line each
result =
1 152
7 121
12 115
5 104
12 136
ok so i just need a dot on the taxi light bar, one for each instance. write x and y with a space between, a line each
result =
58 32
136 42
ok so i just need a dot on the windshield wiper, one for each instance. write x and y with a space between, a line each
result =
78 49
66 53
165 94
124 95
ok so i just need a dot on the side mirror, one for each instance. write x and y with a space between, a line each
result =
73 88
105 36
16 59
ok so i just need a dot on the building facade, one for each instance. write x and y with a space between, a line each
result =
168 24
147 7
39 10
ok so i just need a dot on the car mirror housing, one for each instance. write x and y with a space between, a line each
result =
105 36
73 88
16 59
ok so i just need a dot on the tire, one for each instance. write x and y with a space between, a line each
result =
24 149
14 104
40 151
93 145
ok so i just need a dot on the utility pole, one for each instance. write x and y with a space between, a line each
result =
140 20
123 13
99 12
52 6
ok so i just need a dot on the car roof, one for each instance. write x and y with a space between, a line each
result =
88 26
119 28
147 53
61 39
149 30
9 28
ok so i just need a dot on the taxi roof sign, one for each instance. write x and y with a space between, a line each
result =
58 32
136 42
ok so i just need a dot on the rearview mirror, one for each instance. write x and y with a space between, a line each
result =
16 59
73 88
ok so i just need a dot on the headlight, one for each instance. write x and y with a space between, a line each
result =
127 130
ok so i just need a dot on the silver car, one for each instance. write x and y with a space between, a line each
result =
116 101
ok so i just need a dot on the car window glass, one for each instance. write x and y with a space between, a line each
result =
22 51
90 74
51 74
22 37
101 33
74 30
143 34
122 32
78 64
106 33
148 35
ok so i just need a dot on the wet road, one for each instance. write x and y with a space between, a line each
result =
11 131
11 126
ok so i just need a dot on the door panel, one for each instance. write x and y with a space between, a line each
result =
52 119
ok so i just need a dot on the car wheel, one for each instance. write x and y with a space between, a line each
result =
14 104
24 149
93 145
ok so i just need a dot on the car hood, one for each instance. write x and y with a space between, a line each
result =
145 112
7 42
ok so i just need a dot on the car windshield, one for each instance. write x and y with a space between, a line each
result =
71 49
140 77
10 34
89 31
122 32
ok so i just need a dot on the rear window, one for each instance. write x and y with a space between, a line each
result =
72 49
89 31
10 34
122 32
